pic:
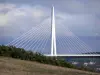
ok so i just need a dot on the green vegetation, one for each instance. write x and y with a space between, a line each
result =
19 53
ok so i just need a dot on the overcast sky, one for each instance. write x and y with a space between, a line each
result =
82 17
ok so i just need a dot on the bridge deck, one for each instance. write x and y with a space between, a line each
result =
75 55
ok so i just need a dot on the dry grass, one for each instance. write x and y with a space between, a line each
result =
9 66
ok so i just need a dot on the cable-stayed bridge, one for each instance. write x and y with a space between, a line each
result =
53 40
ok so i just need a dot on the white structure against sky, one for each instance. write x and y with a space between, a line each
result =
24 41
53 40
53 34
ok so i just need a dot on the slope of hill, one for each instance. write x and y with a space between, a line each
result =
10 66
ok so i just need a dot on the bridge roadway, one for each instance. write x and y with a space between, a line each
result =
75 55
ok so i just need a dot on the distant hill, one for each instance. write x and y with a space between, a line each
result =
92 53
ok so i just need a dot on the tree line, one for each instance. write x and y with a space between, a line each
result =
20 53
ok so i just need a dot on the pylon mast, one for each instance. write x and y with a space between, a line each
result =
53 32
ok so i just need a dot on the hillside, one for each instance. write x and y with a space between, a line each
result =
10 66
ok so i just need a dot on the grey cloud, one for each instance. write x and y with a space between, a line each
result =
78 15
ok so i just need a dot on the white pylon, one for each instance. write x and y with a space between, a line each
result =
53 32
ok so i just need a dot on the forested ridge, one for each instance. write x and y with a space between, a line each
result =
20 53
